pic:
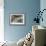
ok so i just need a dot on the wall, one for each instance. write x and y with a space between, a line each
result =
43 6
28 8
1 21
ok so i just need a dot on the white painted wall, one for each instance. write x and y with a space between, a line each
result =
1 21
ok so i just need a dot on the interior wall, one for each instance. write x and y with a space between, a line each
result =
1 21
43 6
26 7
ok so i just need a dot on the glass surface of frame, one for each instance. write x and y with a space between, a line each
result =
17 19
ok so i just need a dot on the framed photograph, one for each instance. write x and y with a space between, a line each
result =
17 19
